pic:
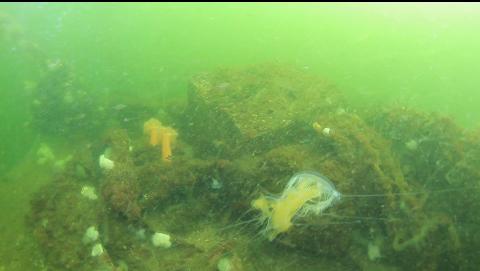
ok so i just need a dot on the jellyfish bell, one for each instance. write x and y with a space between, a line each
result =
327 194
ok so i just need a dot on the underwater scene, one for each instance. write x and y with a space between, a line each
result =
239 136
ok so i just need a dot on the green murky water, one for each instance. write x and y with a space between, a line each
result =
381 99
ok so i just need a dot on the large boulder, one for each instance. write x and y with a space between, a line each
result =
236 111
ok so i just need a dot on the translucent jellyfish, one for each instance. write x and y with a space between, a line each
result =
310 194
327 195
306 193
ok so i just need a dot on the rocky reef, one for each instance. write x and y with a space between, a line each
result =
408 179
63 106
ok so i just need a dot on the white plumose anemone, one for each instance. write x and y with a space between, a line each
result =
97 250
105 163
91 235
161 240
89 192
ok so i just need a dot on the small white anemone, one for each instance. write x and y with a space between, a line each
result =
45 154
91 235
89 192
161 240
326 131
412 145
225 264
105 163
373 252
97 250
59 165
